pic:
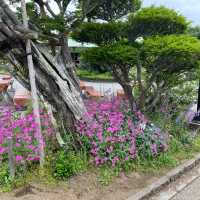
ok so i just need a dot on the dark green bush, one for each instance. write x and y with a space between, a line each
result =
69 164
4 175
156 21
100 33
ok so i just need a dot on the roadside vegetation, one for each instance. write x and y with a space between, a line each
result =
157 65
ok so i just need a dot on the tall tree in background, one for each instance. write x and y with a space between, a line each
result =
161 61
111 10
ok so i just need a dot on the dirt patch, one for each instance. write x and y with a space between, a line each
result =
84 187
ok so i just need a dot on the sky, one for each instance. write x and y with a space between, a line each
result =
189 8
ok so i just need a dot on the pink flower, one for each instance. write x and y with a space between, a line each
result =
2 150
36 158
31 147
18 158
115 160
112 129
97 160
17 144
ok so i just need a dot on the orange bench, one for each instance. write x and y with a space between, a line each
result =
6 77
121 94
22 98
92 93
82 85
4 85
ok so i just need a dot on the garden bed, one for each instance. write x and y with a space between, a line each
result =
101 183
137 158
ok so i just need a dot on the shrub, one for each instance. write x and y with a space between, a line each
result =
100 33
4 175
68 164
113 134
156 21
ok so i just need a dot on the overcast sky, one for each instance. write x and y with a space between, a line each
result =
189 8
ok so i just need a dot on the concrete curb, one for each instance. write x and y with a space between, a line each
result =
165 180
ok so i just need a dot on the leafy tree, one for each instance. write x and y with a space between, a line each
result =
166 58
111 10
169 61
120 58
55 26
156 21
100 33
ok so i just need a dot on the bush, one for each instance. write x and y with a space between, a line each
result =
4 175
69 164
117 57
100 33
172 59
156 21
113 134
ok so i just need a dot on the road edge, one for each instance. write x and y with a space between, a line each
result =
165 180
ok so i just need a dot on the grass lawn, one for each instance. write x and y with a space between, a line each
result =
93 75
2 70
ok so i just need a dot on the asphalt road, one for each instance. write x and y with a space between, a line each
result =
191 192
103 87
187 187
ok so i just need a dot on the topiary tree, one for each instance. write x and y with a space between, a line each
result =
156 21
120 58
164 60
100 33
113 9
169 61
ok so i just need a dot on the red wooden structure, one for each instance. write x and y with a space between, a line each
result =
22 98
121 94
4 85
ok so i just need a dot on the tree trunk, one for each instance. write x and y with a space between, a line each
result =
198 100
34 96
121 75
65 58
56 83
128 90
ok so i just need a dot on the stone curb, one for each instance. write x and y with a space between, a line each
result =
165 180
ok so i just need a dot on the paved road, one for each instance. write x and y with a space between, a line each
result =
103 87
191 192
187 187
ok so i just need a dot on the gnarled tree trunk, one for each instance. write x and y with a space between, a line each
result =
55 82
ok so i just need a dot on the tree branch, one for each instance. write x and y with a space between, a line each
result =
49 9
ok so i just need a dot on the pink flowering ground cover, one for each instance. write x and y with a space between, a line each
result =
113 134
23 130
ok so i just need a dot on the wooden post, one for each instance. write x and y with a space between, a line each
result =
33 85
198 100
11 158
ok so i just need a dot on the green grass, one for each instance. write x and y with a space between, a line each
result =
61 166
93 75
176 154
2 70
